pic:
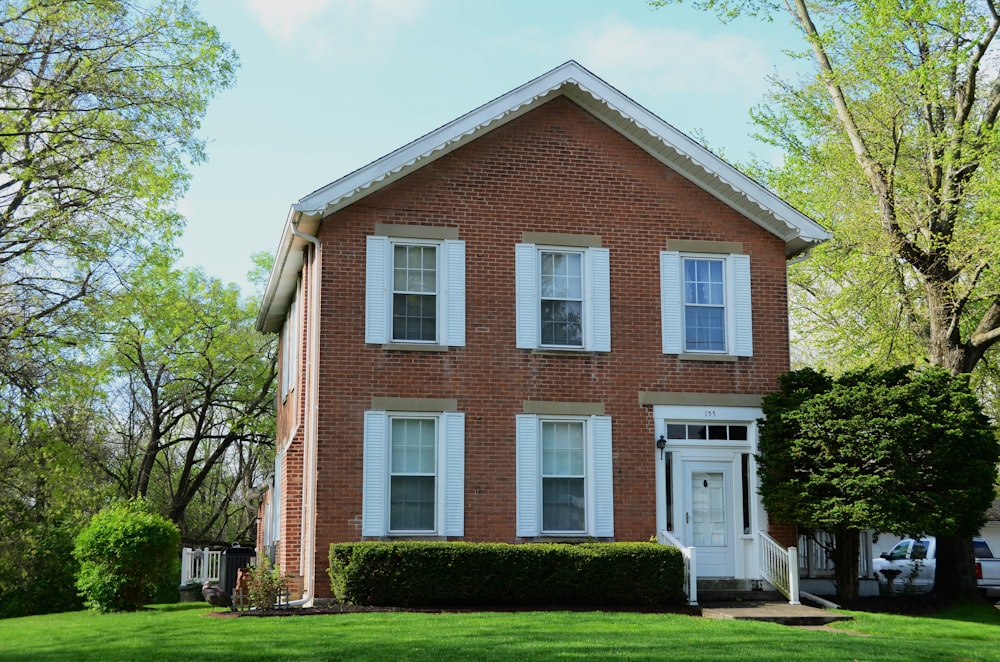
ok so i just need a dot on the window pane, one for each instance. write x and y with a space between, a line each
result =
738 432
411 503
563 504
412 449
562 448
562 323
414 317
414 269
676 431
717 432
562 275
705 329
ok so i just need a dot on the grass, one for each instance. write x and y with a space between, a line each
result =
185 631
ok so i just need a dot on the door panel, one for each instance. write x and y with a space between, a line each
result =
708 518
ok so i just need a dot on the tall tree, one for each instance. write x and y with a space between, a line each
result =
100 102
191 399
893 143
903 451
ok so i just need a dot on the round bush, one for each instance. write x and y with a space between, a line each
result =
123 554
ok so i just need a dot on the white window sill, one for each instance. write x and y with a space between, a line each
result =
724 358
414 347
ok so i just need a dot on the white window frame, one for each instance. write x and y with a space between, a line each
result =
596 291
450 295
598 476
290 347
738 303
449 494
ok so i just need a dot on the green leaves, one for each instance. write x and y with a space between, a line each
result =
904 451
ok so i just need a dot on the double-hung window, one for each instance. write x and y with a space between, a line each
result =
414 474
415 288
705 302
414 293
564 476
563 295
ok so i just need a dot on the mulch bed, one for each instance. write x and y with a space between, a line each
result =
360 609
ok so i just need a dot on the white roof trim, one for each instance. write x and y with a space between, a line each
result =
655 136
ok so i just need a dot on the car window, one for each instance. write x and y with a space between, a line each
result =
919 550
899 551
981 549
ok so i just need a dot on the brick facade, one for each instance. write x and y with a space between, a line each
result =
554 169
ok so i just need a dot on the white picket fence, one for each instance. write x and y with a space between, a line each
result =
200 565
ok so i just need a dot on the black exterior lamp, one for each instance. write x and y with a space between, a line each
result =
661 443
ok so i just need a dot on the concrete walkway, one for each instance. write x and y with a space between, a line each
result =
771 612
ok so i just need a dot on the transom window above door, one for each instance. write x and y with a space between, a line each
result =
709 432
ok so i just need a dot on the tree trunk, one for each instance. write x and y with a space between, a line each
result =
845 563
955 569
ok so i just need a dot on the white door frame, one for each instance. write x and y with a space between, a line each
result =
686 455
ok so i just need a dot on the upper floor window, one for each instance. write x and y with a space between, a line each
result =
563 297
705 304
415 290
289 347
414 293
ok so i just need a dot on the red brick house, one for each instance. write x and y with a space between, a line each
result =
485 333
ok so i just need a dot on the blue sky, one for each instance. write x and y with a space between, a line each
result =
327 86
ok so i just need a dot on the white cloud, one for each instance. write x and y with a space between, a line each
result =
667 61
319 24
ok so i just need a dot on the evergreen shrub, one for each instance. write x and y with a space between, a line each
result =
458 574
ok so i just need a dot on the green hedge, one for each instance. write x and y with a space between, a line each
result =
457 574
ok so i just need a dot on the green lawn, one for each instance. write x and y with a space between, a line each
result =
185 632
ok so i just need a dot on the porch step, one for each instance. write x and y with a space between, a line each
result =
709 595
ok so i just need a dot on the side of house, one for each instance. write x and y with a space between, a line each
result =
485 333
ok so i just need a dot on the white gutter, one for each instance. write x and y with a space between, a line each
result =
307 552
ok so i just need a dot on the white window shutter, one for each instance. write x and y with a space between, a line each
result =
454 294
376 293
526 294
600 300
742 306
374 486
604 496
454 473
671 291
527 475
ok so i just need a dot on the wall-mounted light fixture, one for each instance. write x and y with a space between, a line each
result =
661 443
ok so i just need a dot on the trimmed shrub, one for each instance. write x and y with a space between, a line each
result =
457 574
124 552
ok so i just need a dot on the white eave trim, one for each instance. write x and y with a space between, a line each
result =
645 129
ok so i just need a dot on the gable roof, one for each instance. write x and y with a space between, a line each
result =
658 138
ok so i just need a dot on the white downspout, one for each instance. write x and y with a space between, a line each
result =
307 552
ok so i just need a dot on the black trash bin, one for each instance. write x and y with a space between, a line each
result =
233 558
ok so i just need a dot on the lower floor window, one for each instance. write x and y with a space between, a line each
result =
565 485
563 474
412 474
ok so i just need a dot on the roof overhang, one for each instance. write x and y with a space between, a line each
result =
655 136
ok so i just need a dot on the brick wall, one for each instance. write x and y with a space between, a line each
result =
556 169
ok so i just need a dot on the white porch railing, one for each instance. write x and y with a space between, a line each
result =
200 565
690 565
780 566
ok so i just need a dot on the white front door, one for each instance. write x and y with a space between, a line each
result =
708 520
